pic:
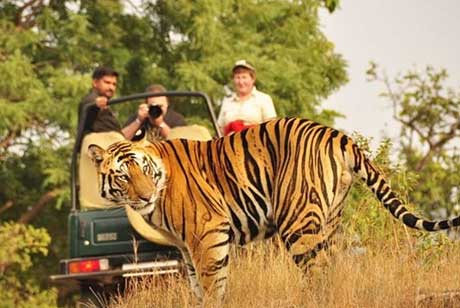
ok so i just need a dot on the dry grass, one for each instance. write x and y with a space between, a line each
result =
264 276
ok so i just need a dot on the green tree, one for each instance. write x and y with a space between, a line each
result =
48 50
19 243
429 114
296 64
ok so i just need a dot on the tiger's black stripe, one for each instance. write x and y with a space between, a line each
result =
287 176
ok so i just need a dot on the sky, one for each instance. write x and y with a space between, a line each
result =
398 36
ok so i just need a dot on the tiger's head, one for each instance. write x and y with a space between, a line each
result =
129 175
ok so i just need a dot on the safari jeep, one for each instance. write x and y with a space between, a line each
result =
103 248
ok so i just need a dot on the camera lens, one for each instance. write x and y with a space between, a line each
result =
155 111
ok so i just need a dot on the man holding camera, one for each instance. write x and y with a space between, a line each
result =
154 118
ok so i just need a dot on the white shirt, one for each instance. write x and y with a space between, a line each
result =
257 109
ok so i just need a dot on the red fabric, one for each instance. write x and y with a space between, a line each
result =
235 126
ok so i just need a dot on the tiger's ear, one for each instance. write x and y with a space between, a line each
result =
96 153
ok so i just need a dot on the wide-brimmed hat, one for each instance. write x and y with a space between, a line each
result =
243 63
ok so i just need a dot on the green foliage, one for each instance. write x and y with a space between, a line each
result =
18 245
48 50
331 5
25 295
19 242
368 224
432 246
47 57
295 62
365 219
429 114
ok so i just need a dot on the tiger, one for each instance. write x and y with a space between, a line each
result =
287 176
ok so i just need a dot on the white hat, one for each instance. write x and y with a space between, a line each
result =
243 63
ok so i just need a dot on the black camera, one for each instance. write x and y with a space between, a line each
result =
154 111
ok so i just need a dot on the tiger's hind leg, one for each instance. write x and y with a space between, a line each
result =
311 252
310 242
309 220
307 250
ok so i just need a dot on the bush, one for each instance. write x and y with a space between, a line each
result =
18 244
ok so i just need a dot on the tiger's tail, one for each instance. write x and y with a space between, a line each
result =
362 166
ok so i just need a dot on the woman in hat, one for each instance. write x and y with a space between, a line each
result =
246 106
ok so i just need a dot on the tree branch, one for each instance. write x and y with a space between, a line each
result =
6 206
36 209
33 5
449 135
436 147
134 7
6 142
410 124
422 163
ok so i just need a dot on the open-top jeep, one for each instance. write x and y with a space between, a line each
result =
103 248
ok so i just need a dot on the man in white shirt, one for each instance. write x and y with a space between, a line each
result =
246 106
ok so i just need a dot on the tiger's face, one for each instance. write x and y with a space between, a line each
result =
128 175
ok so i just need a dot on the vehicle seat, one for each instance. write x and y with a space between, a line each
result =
87 175
190 132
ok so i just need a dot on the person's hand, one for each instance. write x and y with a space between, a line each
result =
160 121
164 128
143 112
101 102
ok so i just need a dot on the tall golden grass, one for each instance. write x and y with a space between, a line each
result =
379 263
263 275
